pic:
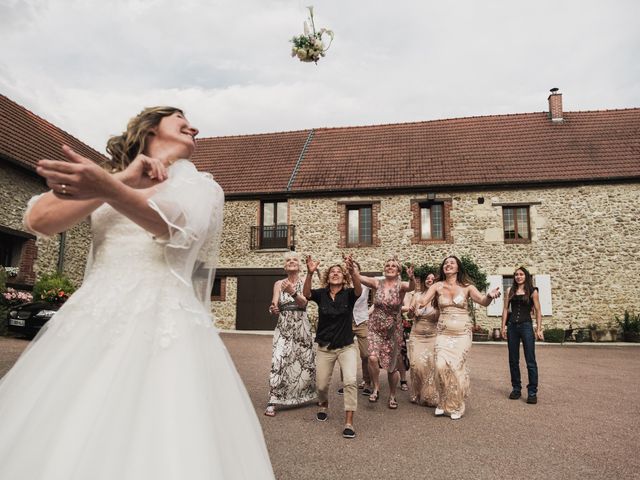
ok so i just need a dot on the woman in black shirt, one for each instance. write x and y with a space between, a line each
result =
334 335
522 297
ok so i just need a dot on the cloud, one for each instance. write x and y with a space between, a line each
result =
88 65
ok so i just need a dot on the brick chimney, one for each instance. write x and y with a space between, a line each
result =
555 105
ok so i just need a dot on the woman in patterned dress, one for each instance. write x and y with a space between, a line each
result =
421 348
293 373
453 339
385 326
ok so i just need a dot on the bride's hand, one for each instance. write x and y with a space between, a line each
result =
77 179
141 167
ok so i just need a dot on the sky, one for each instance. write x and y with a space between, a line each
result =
88 66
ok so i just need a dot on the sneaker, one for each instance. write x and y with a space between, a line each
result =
456 416
366 391
532 399
322 416
439 412
348 431
341 391
514 395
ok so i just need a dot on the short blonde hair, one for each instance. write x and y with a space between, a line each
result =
396 262
291 255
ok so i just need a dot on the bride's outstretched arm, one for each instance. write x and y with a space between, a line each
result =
79 187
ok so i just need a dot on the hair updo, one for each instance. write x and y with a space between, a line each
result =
126 147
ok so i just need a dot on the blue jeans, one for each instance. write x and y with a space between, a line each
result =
524 332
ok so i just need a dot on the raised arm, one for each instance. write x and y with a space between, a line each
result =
82 180
78 188
409 286
428 297
483 300
312 266
368 281
355 276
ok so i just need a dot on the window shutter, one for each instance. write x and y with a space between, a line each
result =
543 282
495 308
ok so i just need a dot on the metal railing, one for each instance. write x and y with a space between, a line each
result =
273 236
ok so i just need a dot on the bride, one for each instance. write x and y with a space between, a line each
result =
129 380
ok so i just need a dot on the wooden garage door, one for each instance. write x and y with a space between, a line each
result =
254 297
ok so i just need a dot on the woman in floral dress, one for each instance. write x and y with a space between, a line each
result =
293 373
385 326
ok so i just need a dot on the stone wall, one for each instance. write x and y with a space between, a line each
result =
585 237
17 186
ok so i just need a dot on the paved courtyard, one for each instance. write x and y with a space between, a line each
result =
585 426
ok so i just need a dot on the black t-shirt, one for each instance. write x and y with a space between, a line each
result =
334 317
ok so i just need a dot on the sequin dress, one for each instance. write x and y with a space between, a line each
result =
421 348
453 342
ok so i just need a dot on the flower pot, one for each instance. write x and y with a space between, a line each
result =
480 336
497 336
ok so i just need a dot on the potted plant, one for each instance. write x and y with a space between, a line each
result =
597 334
480 334
630 326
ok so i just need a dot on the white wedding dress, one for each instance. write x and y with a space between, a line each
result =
130 380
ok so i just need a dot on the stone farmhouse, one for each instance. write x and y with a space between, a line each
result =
555 191
26 138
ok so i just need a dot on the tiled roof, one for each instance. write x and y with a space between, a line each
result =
476 151
251 163
26 138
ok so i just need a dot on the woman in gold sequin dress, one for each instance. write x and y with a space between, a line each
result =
421 348
453 339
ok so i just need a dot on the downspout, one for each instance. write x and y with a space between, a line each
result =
61 247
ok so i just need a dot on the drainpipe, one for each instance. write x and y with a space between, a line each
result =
63 237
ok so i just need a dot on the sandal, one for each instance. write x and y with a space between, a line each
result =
374 396
270 411
403 385
393 404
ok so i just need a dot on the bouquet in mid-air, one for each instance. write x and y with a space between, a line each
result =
309 46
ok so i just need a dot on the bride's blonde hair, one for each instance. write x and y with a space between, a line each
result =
126 147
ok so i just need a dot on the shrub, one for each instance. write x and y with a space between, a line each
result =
630 322
53 288
554 335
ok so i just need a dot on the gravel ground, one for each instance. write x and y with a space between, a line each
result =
585 426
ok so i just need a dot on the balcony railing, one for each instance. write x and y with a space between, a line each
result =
273 236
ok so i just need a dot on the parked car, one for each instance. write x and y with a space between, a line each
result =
27 319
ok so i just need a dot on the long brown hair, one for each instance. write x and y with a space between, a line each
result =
462 278
528 285
126 147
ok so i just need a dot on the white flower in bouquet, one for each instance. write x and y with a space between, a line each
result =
309 46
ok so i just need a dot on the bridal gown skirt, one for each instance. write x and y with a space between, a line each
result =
129 381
